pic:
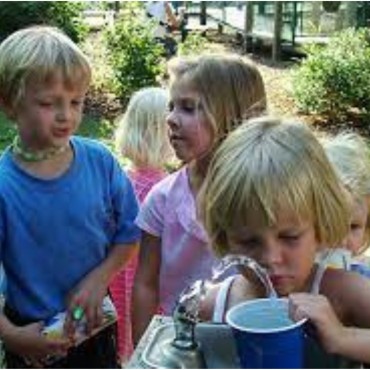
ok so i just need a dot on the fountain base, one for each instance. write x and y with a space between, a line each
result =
217 349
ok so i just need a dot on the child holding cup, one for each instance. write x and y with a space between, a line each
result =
271 194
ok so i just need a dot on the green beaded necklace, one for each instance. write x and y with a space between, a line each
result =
32 156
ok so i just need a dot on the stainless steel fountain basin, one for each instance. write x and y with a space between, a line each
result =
216 346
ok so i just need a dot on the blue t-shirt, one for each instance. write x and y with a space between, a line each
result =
54 232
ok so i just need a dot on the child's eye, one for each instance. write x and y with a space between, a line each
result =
355 226
45 104
290 238
188 105
77 103
188 108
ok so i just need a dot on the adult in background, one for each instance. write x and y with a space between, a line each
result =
163 13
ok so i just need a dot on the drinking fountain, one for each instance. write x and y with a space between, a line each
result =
176 345
182 350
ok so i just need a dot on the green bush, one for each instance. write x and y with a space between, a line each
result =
333 80
137 60
193 44
63 14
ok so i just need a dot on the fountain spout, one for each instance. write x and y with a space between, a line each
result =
184 351
186 315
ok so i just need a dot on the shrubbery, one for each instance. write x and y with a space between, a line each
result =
194 44
335 79
63 14
136 58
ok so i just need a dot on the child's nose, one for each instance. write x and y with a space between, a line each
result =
346 241
172 120
352 242
272 255
64 113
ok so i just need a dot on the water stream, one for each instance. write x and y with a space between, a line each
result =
187 308
240 260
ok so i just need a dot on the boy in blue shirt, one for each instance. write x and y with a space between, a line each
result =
67 209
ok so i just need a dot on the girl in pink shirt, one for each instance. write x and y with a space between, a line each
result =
209 96
142 138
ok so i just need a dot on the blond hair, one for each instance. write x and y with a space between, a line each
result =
268 166
37 55
349 154
142 132
231 88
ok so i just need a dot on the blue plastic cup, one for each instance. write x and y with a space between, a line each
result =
265 336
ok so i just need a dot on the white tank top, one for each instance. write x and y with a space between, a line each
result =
219 310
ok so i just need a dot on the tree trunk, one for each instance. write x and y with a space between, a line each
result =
248 25
203 13
316 15
351 14
278 23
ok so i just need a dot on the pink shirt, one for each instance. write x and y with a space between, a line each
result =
169 213
121 287
143 180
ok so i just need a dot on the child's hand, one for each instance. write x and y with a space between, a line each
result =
318 309
28 342
86 300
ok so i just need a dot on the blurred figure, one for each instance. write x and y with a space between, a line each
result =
163 13
142 138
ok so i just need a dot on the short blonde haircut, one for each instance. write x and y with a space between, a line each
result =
230 87
268 166
37 55
142 132
349 154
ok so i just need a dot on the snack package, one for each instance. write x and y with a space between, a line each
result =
54 327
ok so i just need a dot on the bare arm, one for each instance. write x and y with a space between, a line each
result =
89 293
207 303
349 293
146 287
172 20
117 258
348 341
29 342
354 343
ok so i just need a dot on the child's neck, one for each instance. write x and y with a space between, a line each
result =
47 166
197 173
29 155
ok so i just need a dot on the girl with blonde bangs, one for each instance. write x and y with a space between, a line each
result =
242 186
271 195
141 138
350 156
210 95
